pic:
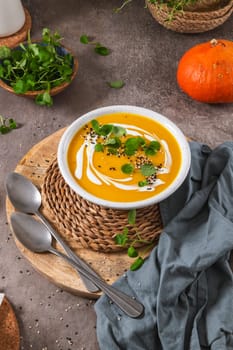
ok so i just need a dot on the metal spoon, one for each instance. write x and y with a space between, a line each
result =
35 236
26 198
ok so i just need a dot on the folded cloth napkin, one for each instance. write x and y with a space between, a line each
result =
186 284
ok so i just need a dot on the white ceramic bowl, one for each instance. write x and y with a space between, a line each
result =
80 122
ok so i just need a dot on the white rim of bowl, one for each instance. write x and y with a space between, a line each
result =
75 126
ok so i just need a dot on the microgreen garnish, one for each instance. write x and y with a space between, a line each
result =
152 148
111 140
143 183
103 130
124 240
116 84
132 144
7 124
95 125
99 48
114 142
36 66
148 169
99 147
118 131
127 168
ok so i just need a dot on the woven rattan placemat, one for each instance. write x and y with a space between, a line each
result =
91 225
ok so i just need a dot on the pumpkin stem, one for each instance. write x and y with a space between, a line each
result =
215 42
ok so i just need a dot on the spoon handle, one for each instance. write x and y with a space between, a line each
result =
91 286
127 304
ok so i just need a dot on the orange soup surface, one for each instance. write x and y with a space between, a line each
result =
124 157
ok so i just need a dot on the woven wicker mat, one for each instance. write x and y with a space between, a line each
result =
90 225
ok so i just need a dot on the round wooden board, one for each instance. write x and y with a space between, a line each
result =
9 329
109 265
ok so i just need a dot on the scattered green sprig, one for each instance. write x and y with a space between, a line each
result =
103 51
98 47
116 84
124 240
36 66
7 124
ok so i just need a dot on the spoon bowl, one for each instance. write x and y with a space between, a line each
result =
31 233
22 193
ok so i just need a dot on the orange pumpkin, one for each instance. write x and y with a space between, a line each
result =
205 72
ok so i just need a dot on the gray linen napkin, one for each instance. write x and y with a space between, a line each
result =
186 285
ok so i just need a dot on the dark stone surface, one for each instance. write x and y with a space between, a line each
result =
145 55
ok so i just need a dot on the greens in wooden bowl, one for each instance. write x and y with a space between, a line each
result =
39 69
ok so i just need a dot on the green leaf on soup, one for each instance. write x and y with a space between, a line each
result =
118 131
99 147
133 144
152 148
105 129
148 169
127 168
95 125
142 183
112 150
114 142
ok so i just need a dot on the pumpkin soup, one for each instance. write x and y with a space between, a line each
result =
124 157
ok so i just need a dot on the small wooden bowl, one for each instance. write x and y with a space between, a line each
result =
55 90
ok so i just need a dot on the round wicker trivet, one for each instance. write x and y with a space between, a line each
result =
91 225
19 36
192 21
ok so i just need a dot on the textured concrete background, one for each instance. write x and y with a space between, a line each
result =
145 56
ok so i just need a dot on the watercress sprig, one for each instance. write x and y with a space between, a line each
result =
98 47
123 240
7 124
